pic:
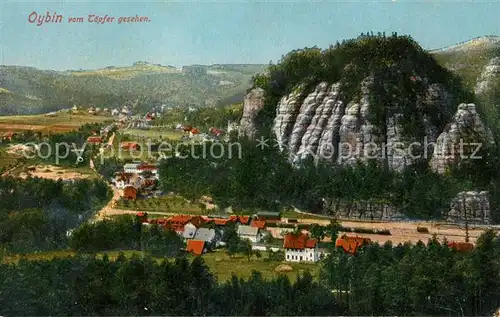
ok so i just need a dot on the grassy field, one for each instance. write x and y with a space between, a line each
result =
219 263
166 203
62 122
155 134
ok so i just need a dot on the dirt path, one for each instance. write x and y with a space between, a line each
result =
108 209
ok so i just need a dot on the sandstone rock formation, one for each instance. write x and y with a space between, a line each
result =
364 210
472 206
253 103
490 73
460 138
325 125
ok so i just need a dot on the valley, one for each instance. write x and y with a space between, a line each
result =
350 231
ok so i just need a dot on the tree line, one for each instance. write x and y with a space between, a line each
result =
264 179
35 213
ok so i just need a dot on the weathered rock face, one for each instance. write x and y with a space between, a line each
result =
363 210
253 103
460 139
471 206
325 125
490 73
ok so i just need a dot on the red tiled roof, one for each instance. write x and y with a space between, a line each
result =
94 139
128 145
195 246
140 214
300 241
244 219
351 244
261 224
221 222
181 219
147 167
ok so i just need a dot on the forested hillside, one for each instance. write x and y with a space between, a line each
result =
25 90
408 87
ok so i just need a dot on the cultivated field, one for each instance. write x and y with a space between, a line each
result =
63 121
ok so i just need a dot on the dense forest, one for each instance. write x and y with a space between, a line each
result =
405 280
264 179
35 214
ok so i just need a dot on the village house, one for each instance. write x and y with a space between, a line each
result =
251 233
128 179
206 234
177 223
300 248
189 231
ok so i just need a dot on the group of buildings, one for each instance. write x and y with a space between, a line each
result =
136 178
204 233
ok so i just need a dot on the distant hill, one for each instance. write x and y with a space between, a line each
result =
477 62
27 90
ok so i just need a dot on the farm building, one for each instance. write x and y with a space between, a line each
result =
299 248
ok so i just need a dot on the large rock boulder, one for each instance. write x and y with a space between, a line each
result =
460 139
253 103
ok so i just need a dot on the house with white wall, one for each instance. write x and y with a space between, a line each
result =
300 248
251 233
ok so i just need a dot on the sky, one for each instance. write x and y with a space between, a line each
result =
222 32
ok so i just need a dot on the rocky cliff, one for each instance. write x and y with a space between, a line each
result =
253 103
462 138
326 126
